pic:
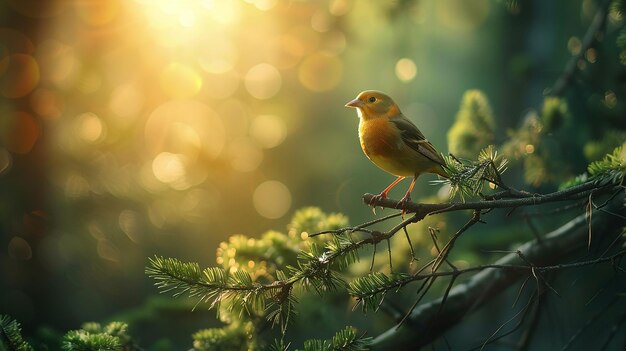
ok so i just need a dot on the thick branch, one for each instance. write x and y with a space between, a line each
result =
421 210
430 320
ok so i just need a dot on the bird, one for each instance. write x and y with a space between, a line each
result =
393 143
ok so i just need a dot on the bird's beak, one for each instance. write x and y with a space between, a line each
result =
356 103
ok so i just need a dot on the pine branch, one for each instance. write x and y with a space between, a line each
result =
344 340
11 335
80 340
313 271
430 320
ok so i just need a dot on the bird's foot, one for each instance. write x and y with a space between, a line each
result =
402 203
376 199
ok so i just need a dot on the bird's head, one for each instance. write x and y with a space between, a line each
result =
372 104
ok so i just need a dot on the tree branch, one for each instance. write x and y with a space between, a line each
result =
422 210
430 320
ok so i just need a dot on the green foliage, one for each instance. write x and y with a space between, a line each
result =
611 169
337 246
262 256
371 289
180 277
618 6
596 149
248 287
467 178
95 337
81 340
474 126
11 335
233 337
553 113
312 219
344 340
528 144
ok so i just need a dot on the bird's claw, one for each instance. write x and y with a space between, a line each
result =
375 200
402 204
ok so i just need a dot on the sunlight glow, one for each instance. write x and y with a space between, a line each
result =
47 103
168 167
90 127
321 71
272 199
126 101
180 81
268 130
263 81
245 155
185 126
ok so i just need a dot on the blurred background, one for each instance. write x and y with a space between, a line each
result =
141 127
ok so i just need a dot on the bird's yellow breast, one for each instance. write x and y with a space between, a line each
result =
379 137
382 143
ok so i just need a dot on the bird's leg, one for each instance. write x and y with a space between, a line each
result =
383 195
407 197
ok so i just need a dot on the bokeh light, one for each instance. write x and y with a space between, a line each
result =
98 13
19 76
321 71
20 249
5 161
129 222
13 42
406 69
168 167
185 126
268 130
47 103
62 63
271 199
23 134
219 55
462 15
263 81
180 81
126 101
221 85
245 154
89 127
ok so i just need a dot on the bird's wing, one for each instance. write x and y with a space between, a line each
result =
414 139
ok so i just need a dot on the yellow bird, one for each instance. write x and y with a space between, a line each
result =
393 143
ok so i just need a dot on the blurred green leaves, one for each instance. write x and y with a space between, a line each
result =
474 126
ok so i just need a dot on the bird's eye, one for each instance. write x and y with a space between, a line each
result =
372 99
